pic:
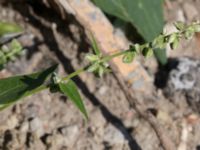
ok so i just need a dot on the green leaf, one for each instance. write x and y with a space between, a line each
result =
145 15
7 28
101 71
188 34
137 48
128 58
159 42
71 91
92 57
172 38
174 44
14 88
160 54
95 46
3 58
147 52
180 25
196 27
93 67
16 45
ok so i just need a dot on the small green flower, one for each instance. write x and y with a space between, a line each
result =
93 67
92 57
55 78
180 25
174 44
147 52
129 57
159 42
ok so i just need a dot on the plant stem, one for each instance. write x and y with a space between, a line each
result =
104 59
73 74
108 58
146 45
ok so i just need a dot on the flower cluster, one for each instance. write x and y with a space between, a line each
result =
10 53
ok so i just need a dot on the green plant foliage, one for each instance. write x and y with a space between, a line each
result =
15 48
17 87
8 28
95 46
96 66
147 52
145 15
10 53
161 56
92 57
71 91
179 25
128 58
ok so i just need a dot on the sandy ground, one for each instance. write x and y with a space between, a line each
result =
50 121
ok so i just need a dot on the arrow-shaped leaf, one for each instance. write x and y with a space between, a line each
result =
71 91
145 15
17 87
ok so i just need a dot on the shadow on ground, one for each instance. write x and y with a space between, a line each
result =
26 9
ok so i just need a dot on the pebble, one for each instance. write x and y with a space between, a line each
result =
57 140
32 111
24 127
34 142
70 134
12 122
98 121
113 136
102 90
36 126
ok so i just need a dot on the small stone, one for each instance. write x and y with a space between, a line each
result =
184 82
192 119
34 142
164 117
36 126
12 122
54 141
102 90
24 127
113 136
70 134
58 140
31 111
136 122
54 26
97 119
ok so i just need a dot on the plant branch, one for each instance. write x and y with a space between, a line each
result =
73 74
